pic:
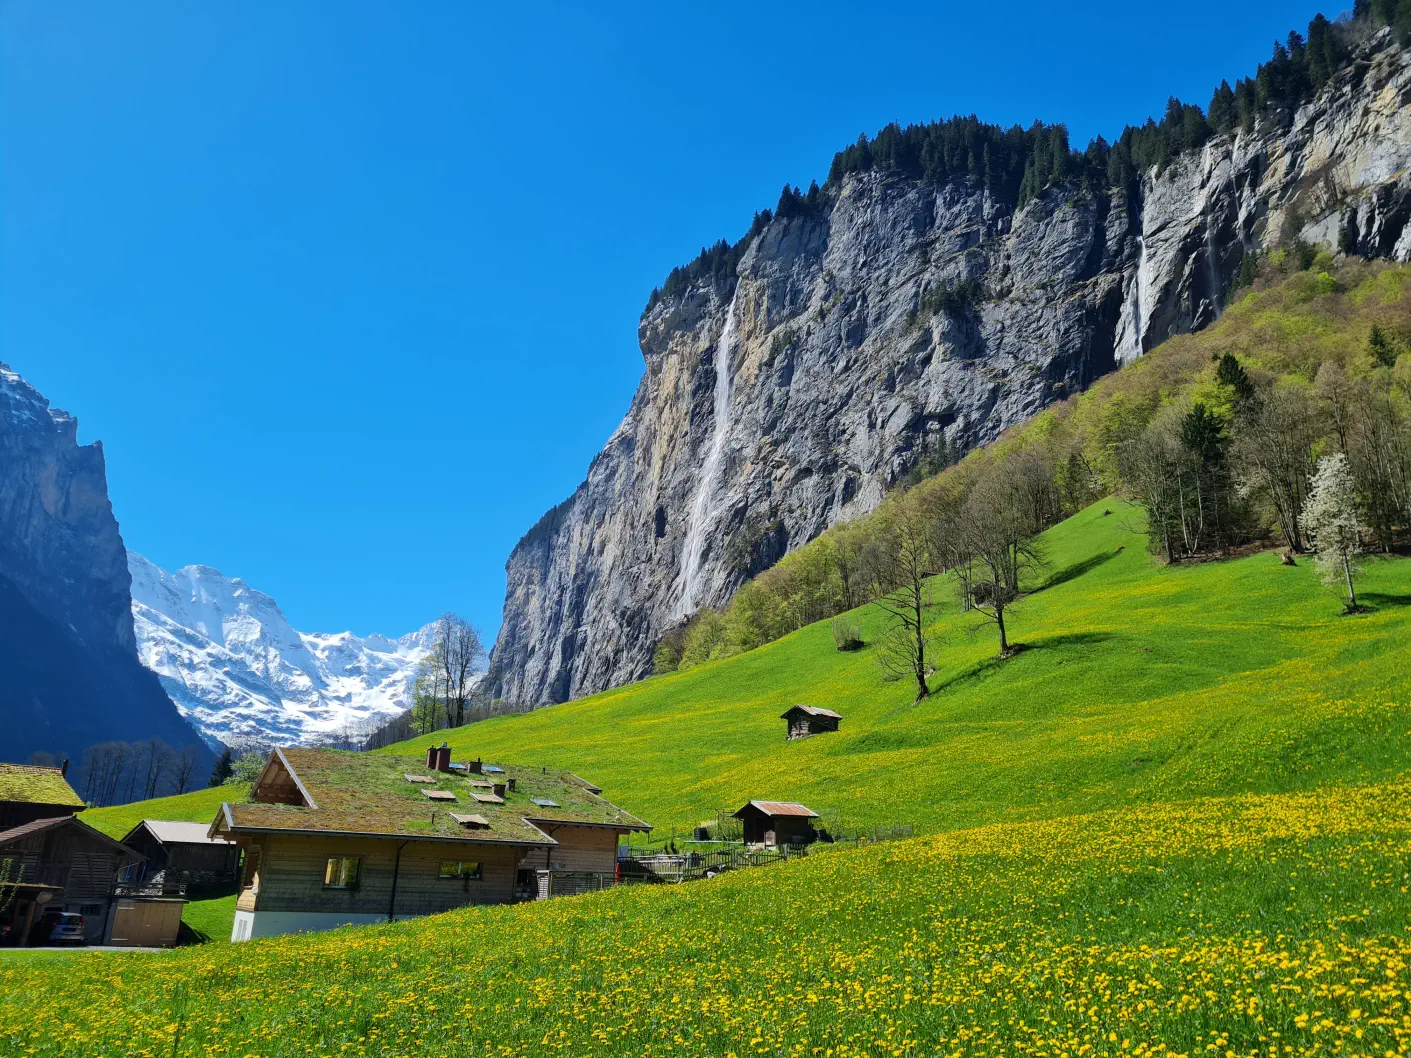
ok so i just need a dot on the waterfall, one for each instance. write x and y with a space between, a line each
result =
1212 274
703 511
1135 311
1212 271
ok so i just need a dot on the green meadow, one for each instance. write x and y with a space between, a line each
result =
1138 682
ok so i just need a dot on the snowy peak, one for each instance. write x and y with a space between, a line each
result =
22 403
244 676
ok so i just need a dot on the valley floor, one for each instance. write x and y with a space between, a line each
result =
1179 823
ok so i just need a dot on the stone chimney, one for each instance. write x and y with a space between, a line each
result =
438 758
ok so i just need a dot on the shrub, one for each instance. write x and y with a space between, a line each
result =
847 633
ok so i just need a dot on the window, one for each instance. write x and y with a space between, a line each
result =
341 873
460 869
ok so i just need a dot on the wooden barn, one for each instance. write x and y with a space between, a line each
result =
777 823
806 720
59 864
181 857
333 838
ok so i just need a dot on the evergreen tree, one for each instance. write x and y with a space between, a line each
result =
1382 349
225 767
1232 373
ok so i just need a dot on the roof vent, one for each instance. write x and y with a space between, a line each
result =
471 822
417 778
499 789
486 798
439 795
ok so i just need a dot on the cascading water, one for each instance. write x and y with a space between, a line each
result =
1212 271
703 512
1135 311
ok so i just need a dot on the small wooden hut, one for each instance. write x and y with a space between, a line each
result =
777 823
805 720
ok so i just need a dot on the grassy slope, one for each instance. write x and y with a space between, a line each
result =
198 806
1141 683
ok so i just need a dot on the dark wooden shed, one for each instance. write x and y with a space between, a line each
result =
805 720
182 856
58 864
777 823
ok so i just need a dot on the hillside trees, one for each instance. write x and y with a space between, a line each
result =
120 772
223 767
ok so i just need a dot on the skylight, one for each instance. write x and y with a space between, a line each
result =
544 802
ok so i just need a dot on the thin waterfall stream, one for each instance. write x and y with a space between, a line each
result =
704 508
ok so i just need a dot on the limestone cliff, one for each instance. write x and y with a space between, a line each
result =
69 674
793 394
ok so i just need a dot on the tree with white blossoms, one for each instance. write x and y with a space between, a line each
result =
1334 525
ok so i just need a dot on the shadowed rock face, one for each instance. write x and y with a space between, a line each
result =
838 385
69 674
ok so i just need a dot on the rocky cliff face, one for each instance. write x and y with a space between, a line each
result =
792 397
69 674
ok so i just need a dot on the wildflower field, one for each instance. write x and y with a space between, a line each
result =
1250 925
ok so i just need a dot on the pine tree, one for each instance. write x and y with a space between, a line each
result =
225 767
1383 351
1232 373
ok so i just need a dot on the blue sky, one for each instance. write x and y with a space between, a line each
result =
349 290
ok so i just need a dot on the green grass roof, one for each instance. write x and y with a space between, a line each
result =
364 793
40 786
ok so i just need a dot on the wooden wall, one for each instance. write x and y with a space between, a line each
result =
290 872
578 849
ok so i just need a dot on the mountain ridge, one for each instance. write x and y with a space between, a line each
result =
244 676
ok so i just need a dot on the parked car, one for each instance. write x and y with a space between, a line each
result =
61 927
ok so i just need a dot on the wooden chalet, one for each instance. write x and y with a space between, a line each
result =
333 838
777 823
805 720
181 857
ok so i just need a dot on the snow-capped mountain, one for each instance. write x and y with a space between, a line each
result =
241 674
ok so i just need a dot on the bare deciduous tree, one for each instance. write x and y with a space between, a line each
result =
1002 539
1273 450
455 653
899 566
183 767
